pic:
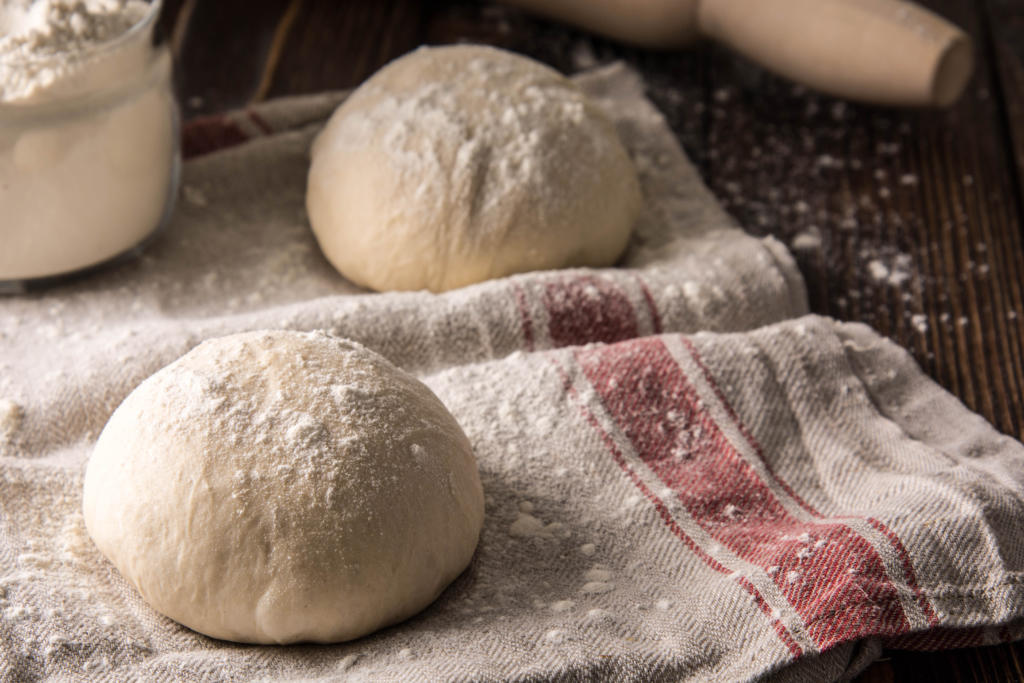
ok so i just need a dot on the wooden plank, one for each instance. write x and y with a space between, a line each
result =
1005 23
1006 31
233 52
221 49
332 45
999 664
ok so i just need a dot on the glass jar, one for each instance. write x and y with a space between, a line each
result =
89 162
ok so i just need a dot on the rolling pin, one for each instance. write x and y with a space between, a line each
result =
881 51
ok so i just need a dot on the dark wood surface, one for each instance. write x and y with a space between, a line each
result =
907 220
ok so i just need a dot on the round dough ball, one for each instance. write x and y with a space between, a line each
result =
276 487
453 165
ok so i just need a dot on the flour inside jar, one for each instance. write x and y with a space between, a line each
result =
88 133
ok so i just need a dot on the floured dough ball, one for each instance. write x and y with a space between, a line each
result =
275 487
453 165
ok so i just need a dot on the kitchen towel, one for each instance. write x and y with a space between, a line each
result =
686 477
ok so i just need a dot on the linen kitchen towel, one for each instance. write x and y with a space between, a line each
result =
686 477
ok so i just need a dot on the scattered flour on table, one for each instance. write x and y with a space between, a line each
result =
808 240
894 271
877 270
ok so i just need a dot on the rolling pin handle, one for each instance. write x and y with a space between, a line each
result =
882 51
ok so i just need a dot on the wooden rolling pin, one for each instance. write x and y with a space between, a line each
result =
881 51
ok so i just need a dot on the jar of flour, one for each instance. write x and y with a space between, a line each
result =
89 153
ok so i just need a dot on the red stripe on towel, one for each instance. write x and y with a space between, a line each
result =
585 309
652 307
260 122
666 516
832 576
209 134
909 575
524 317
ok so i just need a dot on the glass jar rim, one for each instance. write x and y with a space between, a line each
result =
106 46
50 106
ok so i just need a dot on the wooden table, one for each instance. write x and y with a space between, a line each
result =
909 221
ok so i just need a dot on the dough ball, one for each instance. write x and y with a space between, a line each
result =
275 487
453 165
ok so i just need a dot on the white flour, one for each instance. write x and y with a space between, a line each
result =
43 41
80 183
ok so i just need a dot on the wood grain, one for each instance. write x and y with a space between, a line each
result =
1005 44
221 52
334 45
907 220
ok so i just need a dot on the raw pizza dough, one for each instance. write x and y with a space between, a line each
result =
276 487
453 165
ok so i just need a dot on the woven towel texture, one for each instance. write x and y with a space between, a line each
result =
686 476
